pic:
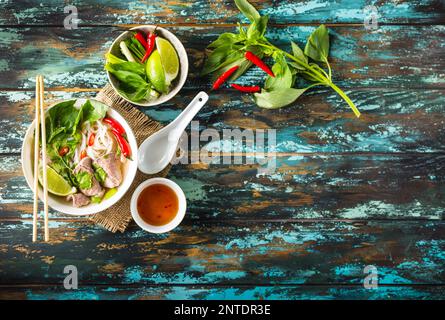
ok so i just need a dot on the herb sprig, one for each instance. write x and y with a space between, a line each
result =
311 64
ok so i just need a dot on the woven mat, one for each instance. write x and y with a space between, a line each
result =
118 216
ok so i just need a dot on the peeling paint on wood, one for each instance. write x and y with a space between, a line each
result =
387 57
393 120
198 252
305 187
346 193
101 12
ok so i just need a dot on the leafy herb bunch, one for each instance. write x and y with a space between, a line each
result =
311 64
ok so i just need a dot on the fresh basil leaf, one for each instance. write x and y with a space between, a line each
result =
142 93
224 39
257 29
221 57
242 31
296 66
132 85
84 180
61 118
310 75
248 10
55 133
135 67
130 78
59 164
317 46
262 25
298 53
242 63
127 78
282 79
79 119
90 111
277 98
111 58
93 110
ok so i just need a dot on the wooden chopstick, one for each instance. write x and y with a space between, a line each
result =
40 131
44 155
36 162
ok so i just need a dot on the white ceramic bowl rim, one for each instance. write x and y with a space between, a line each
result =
183 62
59 203
182 206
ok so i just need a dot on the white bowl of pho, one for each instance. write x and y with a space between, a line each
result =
91 156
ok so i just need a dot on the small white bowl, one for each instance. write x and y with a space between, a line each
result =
177 84
182 206
59 203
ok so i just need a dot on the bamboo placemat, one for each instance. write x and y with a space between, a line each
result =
118 217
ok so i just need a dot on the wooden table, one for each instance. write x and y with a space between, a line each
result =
346 193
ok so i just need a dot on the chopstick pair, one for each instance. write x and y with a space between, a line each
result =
40 130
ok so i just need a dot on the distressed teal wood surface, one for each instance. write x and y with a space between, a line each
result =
392 56
346 193
229 252
100 12
332 186
393 120
230 292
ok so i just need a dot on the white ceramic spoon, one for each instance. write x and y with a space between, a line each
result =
157 150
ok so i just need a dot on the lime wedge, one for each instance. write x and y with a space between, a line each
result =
169 59
56 183
155 72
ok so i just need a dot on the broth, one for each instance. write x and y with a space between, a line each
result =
157 204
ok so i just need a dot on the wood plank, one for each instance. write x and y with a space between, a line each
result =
229 252
232 292
98 12
392 56
393 120
394 187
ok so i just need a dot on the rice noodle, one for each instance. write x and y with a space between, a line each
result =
104 142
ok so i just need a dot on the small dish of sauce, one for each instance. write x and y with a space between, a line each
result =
158 205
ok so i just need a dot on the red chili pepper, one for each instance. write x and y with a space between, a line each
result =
258 62
139 36
115 125
150 46
246 88
83 154
91 139
63 151
224 77
123 144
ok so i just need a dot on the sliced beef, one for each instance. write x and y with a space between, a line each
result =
96 189
112 167
79 200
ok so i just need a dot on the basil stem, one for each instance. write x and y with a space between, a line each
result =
323 79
